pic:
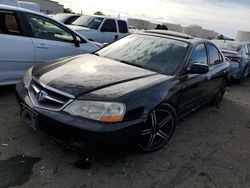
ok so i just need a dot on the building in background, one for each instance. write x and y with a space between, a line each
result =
174 27
243 36
141 24
48 6
199 32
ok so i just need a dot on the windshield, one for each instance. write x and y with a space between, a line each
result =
88 21
228 45
153 53
61 17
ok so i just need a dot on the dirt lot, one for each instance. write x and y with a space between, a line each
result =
210 148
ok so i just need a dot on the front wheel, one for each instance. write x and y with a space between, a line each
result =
158 128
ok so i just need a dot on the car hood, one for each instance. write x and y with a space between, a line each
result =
87 73
79 28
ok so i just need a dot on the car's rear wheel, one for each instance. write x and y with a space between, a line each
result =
218 98
158 128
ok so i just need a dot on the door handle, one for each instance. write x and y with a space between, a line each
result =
43 46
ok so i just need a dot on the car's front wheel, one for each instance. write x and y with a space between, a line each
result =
158 129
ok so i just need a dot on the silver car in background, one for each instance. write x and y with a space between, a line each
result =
238 54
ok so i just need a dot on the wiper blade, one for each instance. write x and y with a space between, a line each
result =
129 63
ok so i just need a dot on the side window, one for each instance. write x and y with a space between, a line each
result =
109 25
43 28
123 28
214 55
248 49
199 55
9 24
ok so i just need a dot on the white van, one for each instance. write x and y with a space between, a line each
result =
28 38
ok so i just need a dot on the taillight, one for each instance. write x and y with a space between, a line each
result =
234 59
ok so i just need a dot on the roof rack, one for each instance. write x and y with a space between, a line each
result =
169 33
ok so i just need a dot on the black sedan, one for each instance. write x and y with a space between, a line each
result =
132 91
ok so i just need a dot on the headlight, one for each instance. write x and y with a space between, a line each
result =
100 111
27 78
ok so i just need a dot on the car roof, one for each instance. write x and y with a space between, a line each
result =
105 17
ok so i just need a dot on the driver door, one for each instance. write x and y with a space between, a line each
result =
51 40
194 86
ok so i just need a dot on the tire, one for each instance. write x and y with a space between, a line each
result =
218 98
158 129
242 77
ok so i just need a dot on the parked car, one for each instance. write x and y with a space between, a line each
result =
238 53
100 28
131 91
29 38
65 18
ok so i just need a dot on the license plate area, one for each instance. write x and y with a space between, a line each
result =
29 116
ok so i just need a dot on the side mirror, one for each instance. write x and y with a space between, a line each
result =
198 69
77 41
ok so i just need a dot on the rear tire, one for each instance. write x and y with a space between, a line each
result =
158 129
218 98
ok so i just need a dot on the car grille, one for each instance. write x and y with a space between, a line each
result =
48 98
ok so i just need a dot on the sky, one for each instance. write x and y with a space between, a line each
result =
224 16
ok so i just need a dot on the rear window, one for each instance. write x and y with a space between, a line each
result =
123 28
152 53
228 45
9 24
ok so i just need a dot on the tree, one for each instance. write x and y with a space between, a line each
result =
158 26
164 27
68 10
220 37
99 13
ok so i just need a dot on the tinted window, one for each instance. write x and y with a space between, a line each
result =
109 26
123 28
88 21
213 54
44 29
157 54
71 19
9 24
248 49
199 55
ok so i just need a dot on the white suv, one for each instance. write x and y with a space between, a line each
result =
100 28
28 38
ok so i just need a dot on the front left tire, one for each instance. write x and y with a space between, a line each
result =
158 128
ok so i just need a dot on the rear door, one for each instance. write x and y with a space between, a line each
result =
217 70
194 86
16 50
248 56
51 40
108 31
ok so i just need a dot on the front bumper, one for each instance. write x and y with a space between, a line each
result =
80 132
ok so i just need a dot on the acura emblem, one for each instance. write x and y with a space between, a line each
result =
41 95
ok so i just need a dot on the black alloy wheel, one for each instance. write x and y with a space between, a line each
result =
158 129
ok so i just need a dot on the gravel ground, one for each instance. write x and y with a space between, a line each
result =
210 148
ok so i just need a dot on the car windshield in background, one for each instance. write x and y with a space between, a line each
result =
61 17
88 21
157 54
228 45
